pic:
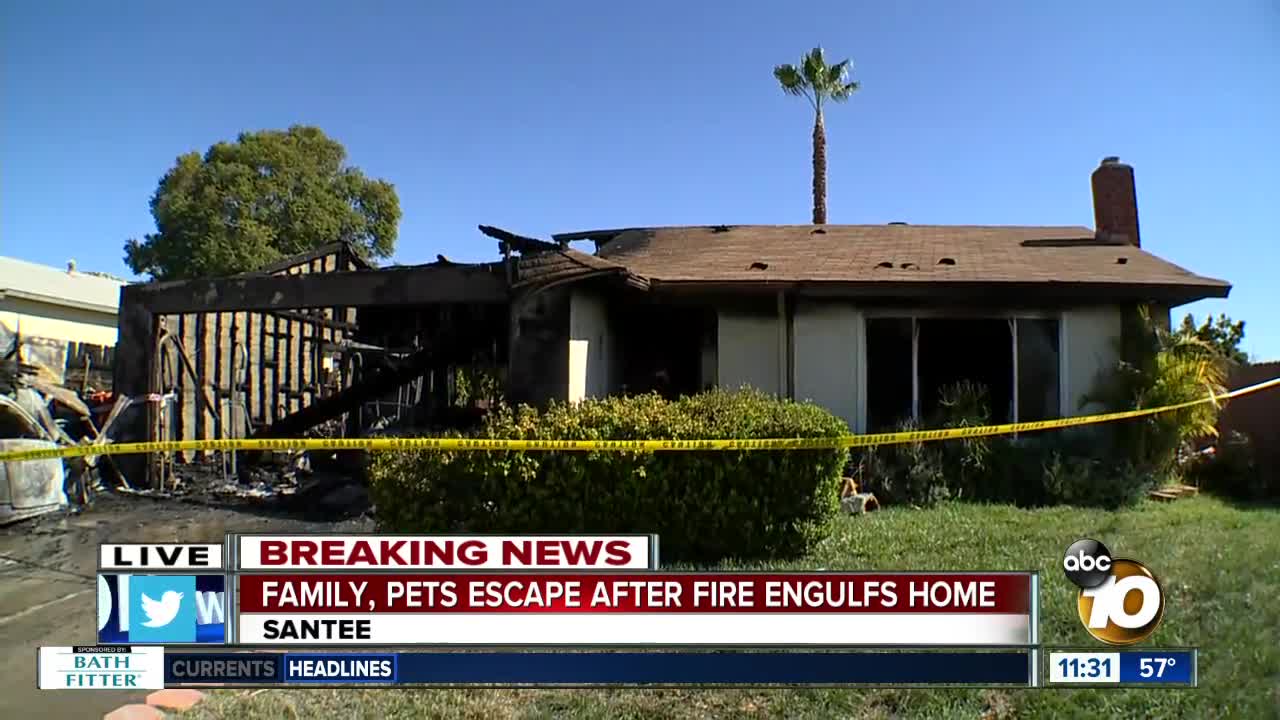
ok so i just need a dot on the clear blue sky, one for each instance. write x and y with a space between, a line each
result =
553 116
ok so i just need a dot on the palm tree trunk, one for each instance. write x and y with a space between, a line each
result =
819 170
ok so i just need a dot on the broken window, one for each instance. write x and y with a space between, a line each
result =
663 349
890 376
910 361
954 350
1038 358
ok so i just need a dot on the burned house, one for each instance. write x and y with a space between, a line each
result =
870 321
867 320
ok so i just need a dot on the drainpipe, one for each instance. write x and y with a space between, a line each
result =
915 368
1013 335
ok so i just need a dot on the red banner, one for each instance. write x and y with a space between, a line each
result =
985 593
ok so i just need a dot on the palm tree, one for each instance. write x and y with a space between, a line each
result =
817 82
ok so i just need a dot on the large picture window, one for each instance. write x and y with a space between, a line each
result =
911 360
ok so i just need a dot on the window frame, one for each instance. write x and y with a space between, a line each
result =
915 315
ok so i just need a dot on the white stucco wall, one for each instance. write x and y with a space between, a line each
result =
828 342
1091 336
747 351
591 352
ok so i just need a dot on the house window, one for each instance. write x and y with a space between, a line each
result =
1038 369
890 377
911 360
662 349
978 350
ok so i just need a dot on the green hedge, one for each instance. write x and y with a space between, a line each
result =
704 505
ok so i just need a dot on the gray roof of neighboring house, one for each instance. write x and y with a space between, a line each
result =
57 286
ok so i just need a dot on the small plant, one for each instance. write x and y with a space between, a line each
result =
1231 469
966 461
906 473
477 385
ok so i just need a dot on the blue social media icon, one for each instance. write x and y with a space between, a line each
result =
162 609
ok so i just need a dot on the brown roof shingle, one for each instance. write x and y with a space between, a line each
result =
555 266
892 253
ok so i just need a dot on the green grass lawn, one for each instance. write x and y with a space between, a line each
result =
1219 564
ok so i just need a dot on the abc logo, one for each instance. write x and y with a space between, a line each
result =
1120 600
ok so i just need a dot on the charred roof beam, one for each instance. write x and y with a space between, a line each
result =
509 241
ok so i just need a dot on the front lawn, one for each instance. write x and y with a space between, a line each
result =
1219 564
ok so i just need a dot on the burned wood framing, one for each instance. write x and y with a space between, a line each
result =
272 351
419 285
306 340
378 382
322 320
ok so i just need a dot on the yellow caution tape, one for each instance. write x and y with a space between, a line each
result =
816 443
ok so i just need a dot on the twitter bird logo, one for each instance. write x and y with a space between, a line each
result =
162 612
171 618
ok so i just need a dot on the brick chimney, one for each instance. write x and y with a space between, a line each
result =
1115 202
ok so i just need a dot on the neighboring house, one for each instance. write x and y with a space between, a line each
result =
56 319
870 321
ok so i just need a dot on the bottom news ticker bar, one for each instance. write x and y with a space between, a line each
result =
578 669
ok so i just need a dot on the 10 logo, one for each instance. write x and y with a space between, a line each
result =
1120 601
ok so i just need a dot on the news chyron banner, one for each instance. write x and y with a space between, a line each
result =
596 591
345 610
588 611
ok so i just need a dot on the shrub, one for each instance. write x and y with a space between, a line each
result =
1073 466
925 473
906 473
1232 470
704 505
1076 466
1161 368
1089 481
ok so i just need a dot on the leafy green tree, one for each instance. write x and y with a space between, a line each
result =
264 197
1223 334
817 82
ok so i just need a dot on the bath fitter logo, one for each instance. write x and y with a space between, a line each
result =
100 667
159 609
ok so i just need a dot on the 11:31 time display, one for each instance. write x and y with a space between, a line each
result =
1093 667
